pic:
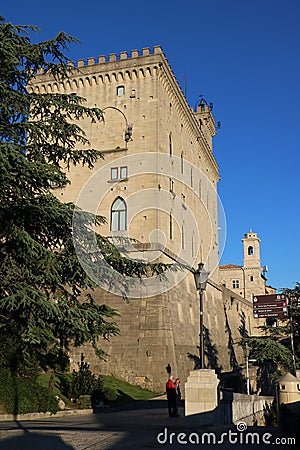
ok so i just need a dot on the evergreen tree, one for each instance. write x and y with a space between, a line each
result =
273 352
44 304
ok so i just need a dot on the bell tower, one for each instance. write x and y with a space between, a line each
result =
254 283
250 279
251 250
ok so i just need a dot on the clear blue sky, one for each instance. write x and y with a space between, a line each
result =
242 55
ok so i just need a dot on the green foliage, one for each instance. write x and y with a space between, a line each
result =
57 359
293 296
109 394
273 352
83 381
267 349
273 359
22 395
123 391
46 302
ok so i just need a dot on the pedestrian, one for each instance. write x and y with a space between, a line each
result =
178 396
171 396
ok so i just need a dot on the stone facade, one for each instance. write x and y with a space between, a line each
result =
159 186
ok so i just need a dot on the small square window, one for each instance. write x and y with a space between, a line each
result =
235 284
120 91
114 173
123 172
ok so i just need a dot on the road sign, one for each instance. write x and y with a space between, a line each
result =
270 298
272 305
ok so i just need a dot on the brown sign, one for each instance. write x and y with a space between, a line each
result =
272 305
270 298
262 314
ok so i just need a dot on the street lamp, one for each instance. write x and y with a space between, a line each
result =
128 130
201 277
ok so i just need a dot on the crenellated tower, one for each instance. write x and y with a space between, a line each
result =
157 184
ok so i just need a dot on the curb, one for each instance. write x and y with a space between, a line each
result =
46 415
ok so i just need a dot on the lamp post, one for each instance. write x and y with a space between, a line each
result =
128 130
201 276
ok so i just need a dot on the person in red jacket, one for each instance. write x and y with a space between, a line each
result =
171 396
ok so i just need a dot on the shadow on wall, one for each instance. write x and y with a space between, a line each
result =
233 360
210 351
242 328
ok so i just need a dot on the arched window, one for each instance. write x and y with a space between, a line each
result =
250 251
118 215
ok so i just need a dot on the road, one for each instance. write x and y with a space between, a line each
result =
145 425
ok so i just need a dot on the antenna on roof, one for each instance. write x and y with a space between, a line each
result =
184 84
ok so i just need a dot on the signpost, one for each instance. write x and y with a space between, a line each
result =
271 305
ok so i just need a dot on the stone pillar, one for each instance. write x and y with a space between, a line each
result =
201 392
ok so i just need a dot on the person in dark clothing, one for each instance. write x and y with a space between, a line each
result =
171 396
178 396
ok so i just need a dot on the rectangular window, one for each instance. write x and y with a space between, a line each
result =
120 91
235 284
114 173
123 172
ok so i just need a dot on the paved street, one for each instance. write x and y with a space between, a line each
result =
137 428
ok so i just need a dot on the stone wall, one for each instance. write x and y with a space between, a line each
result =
249 409
164 329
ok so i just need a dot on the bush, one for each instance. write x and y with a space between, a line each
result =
24 395
109 394
84 402
82 383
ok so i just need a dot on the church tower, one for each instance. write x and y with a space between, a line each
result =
251 250
254 281
249 279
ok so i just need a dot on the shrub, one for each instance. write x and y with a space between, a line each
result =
83 383
109 394
24 395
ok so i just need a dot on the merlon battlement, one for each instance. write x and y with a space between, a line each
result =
123 55
114 57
